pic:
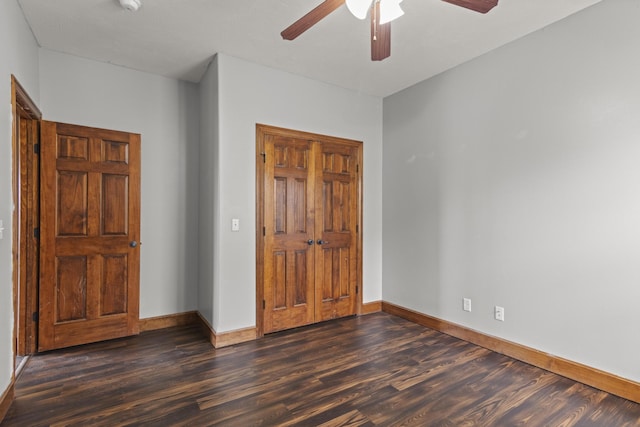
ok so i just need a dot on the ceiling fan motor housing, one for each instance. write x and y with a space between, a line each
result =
131 5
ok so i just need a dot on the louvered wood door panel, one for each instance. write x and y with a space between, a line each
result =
90 226
311 211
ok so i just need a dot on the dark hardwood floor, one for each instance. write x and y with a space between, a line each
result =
375 370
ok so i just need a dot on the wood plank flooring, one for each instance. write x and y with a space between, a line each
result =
375 370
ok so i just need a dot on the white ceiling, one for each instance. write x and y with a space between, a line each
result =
178 38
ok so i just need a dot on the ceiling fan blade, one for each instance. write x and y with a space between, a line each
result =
311 19
380 36
482 6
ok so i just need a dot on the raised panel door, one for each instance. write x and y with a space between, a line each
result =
288 258
336 231
309 245
90 225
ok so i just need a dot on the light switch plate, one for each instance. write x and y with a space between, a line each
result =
235 224
1 229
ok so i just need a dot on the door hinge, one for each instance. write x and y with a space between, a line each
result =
264 157
357 228
36 232
264 304
264 231
36 148
357 168
35 317
356 289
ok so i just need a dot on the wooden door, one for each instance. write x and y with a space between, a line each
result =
336 230
89 232
308 213
289 232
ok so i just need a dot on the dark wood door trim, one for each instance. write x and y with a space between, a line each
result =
24 101
261 133
25 136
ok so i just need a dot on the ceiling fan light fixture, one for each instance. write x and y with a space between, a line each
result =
131 5
390 10
359 8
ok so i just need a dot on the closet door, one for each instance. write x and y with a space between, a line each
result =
336 234
308 253
289 233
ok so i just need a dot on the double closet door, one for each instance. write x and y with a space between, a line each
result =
310 247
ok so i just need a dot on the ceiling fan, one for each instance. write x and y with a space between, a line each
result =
382 13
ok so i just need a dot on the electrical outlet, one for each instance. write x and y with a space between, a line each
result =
466 304
499 313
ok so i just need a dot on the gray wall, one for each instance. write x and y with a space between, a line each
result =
165 112
248 94
208 167
514 180
18 56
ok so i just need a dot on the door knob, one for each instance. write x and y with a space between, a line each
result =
310 242
322 242
133 243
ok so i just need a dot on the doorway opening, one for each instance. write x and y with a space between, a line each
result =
76 227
